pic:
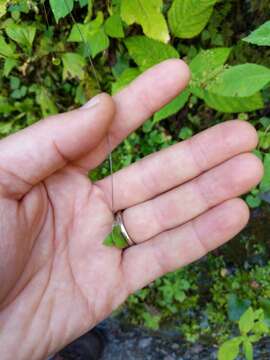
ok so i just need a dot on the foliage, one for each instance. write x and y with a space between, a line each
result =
252 328
45 69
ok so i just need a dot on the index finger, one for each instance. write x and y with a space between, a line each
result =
138 101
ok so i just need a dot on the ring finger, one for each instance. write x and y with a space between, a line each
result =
181 204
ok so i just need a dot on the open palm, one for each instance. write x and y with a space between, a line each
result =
57 278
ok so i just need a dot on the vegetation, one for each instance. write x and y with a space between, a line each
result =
45 69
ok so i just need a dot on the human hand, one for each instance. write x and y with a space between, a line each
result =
57 278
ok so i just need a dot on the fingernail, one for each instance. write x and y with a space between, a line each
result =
91 103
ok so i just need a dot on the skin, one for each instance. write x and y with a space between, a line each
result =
57 278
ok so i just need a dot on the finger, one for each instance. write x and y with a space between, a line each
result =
229 180
31 155
138 101
179 163
176 248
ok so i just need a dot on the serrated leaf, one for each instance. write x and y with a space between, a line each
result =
207 61
114 27
229 350
146 13
21 33
229 104
172 108
124 79
61 8
240 80
73 66
260 36
148 52
246 321
187 18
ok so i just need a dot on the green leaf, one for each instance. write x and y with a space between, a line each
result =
148 52
61 8
253 201
98 42
146 13
7 50
172 108
73 66
45 101
240 80
230 349
236 307
265 305
185 133
9 66
228 104
246 321
5 107
124 79
92 34
265 184
114 26
22 34
187 18
206 62
260 36
3 7
115 238
248 349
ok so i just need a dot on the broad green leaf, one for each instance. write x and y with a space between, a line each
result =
82 32
264 139
73 66
236 307
22 34
45 101
5 107
206 62
83 3
187 18
114 26
253 201
148 52
173 107
248 349
98 42
229 350
7 50
92 34
9 66
246 321
240 80
228 104
61 8
124 79
148 14
265 184
260 36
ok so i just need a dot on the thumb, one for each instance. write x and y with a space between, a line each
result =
33 154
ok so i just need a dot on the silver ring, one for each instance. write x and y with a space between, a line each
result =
119 221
